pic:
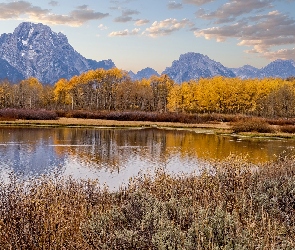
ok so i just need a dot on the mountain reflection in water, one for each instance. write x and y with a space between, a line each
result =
114 155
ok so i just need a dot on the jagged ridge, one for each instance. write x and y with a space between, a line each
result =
35 50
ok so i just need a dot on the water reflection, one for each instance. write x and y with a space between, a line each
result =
114 155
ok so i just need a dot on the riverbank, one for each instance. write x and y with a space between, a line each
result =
210 127
79 122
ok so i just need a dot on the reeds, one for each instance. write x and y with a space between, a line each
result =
235 205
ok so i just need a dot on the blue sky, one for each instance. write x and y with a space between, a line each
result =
152 33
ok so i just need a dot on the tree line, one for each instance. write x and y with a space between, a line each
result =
113 90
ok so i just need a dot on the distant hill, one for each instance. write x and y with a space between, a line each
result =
246 71
144 73
278 68
35 50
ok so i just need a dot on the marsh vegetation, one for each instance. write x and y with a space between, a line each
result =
232 205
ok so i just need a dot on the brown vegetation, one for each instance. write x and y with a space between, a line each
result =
258 125
235 205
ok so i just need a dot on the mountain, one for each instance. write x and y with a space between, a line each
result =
35 50
278 68
246 71
194 66
9 72
144 73
104 64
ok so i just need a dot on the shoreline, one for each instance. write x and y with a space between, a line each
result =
214 127
80 122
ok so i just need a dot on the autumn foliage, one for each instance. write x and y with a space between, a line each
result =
113 90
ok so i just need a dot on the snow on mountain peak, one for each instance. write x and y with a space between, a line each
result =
35 50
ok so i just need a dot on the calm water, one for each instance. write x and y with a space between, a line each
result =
114 155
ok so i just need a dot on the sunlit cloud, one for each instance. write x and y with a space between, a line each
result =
125 32
27 11
166 27
233 9
141 22
261 33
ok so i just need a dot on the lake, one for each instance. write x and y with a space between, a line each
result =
114 155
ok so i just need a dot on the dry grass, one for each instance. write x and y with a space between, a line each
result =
112 123
234 206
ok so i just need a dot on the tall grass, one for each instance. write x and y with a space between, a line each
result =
235 205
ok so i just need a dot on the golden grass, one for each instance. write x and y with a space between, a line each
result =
235 205
111 123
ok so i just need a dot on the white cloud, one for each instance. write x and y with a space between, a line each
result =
102 27
141 22
166 27
125 32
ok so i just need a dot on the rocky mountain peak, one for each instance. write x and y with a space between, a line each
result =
194 66
34 50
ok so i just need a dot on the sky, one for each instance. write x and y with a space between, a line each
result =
137 34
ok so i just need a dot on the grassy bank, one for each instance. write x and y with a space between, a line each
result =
234 206
220 123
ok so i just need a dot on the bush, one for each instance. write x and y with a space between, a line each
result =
288 129
252 125
27 114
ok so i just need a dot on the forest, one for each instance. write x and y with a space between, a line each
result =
113 90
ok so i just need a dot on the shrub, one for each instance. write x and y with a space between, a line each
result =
287 129
27 114
252 125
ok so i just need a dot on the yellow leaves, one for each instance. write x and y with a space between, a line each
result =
224 95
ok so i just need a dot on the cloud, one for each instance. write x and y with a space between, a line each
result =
231 10
77 17
123 19
102 27
285 54
166 27
197 2
125 32
18 8
174 6
141 22
261 33
126 16
53 3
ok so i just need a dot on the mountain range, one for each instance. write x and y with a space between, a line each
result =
34 50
